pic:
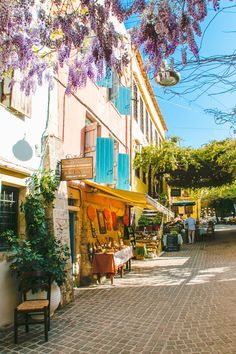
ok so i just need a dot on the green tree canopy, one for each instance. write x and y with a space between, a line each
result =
212 165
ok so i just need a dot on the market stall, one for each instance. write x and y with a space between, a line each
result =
102 215
148 244
110 262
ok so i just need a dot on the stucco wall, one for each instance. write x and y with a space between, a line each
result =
15 128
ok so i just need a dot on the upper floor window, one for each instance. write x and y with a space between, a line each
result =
89 136
141 115
135 102
113 91
156 139
147 125
14 98
151 131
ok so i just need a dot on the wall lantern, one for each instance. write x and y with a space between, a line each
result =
167 76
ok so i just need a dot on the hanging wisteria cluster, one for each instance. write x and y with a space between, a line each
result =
41 36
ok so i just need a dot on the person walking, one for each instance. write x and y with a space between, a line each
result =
191 226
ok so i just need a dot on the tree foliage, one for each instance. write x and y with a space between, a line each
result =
212 165
211 195
39 37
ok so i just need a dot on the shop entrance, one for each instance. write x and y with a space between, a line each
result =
72 230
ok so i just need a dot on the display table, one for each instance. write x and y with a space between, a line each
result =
109 263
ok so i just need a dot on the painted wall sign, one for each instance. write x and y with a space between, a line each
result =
76 168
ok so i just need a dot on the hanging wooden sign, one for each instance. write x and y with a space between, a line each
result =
76 168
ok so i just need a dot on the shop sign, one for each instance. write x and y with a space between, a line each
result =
76 168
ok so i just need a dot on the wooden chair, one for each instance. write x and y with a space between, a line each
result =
36 282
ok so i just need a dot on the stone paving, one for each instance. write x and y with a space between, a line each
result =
182 302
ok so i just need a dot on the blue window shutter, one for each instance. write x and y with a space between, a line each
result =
107 80
123 172
122 102
105 160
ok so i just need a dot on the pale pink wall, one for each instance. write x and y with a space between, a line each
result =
93 101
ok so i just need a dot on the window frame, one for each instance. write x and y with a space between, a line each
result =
6 191
14 98
151 130
135 101
141 115
147 124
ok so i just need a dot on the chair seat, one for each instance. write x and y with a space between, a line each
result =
33 305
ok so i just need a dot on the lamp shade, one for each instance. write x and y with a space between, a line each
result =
167 77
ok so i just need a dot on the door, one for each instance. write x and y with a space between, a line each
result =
72 225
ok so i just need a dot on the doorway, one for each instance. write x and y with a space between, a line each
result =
72 231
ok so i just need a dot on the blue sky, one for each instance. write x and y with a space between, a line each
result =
184 115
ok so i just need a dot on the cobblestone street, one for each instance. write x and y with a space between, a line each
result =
182 302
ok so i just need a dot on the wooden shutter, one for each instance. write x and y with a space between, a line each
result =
90 136
6 92
19 101
82 142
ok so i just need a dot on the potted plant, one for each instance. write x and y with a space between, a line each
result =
40 250
156 221
142 222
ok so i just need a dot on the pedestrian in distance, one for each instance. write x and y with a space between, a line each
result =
190 222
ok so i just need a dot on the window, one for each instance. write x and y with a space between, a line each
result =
89 136
151 132
188 209
144 177
14 98
137 172
141 115
135 102
8 210
147 125
156 138
113 92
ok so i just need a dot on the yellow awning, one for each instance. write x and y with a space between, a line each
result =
131 198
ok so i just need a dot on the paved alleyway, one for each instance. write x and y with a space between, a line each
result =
183 302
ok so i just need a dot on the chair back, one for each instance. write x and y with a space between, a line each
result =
35 281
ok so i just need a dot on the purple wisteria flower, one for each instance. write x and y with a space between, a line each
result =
40 37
